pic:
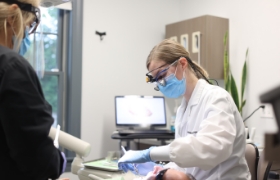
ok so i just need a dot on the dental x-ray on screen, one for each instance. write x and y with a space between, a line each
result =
140 111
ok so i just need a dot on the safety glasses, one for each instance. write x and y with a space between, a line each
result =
33 26
160 175
160 75
29 8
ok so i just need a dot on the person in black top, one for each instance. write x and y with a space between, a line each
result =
26 151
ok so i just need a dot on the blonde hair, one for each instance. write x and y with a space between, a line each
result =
169 51
20 18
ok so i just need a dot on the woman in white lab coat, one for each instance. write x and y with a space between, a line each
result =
209 131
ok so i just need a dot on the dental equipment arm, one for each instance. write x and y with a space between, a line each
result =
80 147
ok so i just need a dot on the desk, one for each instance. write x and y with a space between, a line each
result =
160 137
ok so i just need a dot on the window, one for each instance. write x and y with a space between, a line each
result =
47 58
58 63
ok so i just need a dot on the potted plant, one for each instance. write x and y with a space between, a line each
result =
230 84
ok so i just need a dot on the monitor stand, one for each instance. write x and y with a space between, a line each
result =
147 127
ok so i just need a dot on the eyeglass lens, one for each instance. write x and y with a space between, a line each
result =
36 21
162 74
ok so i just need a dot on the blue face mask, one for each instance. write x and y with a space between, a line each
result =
25 43
173 88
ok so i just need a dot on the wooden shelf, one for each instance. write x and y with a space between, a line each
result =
212 30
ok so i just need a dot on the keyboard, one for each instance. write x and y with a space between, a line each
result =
143 131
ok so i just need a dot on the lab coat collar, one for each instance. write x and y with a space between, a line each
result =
197 92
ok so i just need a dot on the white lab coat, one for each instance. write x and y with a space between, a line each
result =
210 136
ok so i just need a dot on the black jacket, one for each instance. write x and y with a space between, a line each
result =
26 151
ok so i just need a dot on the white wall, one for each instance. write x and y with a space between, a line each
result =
116 65
254 24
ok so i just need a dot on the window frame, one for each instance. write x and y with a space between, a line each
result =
69 65
74 75
69 55
70 72
59 61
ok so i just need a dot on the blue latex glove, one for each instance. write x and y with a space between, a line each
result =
143 168
126 167
136 156
64 162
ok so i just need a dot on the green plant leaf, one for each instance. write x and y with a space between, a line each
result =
226 61
243 80
226 66
241 107
243 103
234 92
225 39
244 77
227 85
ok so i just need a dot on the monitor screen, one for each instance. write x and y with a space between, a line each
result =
140 111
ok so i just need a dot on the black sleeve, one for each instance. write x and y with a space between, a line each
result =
26 119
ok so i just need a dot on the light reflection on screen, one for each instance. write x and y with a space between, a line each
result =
140 110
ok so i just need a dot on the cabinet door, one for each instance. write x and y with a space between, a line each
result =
214 52
191 34
171 31
196 30
203 39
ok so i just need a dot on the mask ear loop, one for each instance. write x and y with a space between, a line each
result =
196 70
176 71
16 41
13 30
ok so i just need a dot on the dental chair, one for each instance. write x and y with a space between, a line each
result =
252 158
264 167
260 169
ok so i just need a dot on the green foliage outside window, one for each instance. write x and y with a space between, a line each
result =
49 28
50 88
50 83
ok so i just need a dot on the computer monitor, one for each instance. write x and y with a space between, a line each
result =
140 111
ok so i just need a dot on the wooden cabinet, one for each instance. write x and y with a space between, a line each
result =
203 38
